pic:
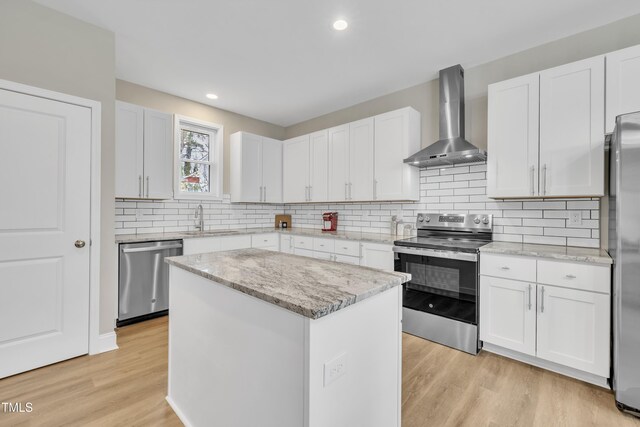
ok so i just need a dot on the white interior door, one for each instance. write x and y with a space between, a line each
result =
45 149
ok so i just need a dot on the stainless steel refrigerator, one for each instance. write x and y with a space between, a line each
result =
624 247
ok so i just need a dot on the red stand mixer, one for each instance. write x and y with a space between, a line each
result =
330 221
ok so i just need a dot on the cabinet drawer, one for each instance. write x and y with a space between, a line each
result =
264 240
303 242
303 252
575 275
347 259
323 245
508 267
347 247
230 243
323 255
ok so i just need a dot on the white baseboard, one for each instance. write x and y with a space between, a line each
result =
107 342
178 412
550 366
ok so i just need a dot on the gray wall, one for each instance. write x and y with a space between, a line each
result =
232 122
46 49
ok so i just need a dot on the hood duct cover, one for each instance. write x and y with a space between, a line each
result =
451 148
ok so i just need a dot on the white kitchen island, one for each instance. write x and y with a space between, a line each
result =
261 338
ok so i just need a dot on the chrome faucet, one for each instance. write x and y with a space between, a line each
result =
200 218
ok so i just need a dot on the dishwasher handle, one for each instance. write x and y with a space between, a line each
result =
151 248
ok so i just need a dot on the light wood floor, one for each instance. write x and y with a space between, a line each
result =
441 387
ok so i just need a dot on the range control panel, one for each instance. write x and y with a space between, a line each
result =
452 221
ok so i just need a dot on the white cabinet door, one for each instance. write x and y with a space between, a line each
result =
508 314
286 244
130 150
512 165
295 177
573 328
572 129
377 255
272 170
361 160
338 163
158 155
623 84
246 167
396 137
319 166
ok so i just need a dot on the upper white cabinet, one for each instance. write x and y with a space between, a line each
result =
512 163
556 116
572 129
144 153
396 137
295 169
256 168
339 163
623 84
305 168
360 171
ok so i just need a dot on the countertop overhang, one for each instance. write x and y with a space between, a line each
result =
310 287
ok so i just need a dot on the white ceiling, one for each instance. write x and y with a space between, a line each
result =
282 62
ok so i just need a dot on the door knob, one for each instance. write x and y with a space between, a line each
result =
80 243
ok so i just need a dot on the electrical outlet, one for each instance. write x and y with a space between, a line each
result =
575 218
335 368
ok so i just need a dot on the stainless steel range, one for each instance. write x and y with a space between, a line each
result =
440 303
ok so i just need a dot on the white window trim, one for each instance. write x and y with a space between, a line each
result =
217 151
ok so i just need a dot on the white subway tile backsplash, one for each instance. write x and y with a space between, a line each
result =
446 190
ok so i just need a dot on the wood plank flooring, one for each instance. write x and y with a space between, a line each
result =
441 387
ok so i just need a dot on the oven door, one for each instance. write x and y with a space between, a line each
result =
442 283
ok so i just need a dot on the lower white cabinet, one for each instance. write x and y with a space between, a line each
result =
377 255
562 316
269 242
508 314
286 244
573 328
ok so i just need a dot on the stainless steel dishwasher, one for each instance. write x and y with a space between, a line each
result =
143 285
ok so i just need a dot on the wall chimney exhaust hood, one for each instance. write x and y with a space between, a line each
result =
452 148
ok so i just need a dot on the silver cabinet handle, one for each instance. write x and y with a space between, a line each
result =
265 194
350 188
532 172
570 276
150 248
139 185
541 299
530 297
544 179
375 189
505 268
346 187
147 186
310 196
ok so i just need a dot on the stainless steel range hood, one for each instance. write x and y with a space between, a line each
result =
452 148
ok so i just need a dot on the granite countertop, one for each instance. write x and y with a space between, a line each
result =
310 287
567 253
347 235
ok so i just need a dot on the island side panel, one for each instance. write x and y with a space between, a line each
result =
367 337
234 360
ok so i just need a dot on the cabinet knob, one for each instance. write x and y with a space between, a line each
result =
505 268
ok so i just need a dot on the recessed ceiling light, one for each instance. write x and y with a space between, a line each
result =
340 25
212 96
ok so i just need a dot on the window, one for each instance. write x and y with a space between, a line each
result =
198 160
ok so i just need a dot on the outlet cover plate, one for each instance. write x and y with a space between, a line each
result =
335 368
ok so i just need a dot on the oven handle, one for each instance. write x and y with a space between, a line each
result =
463 256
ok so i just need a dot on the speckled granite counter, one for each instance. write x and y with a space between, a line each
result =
347 235
567 253
310 287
